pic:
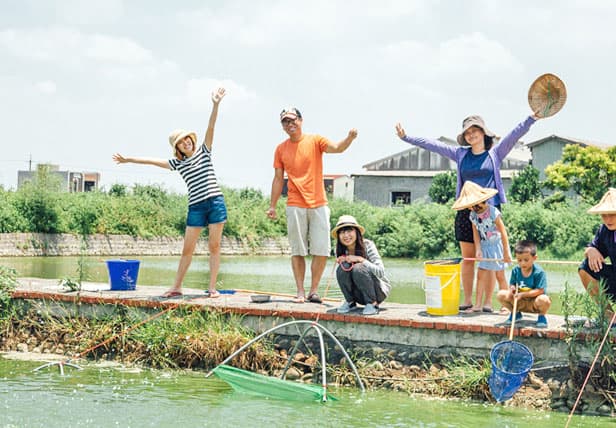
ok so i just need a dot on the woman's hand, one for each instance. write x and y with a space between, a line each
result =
400 130
118 158
350 259
218 95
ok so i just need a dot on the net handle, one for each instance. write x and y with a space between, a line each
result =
514 313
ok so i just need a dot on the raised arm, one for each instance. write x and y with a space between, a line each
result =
428 144
162 163
341 146
217 96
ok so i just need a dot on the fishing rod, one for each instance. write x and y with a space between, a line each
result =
560 262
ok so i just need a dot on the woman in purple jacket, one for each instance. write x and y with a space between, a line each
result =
478 159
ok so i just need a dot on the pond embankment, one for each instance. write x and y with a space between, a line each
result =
398 341
47 244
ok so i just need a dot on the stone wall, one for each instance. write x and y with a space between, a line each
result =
40 244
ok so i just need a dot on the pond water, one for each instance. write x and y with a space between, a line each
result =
262 273
114 397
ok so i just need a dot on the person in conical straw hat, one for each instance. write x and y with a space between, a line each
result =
594 270
478 157
206 204
490 240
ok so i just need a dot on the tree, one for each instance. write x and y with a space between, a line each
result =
525 185
443 187
589 171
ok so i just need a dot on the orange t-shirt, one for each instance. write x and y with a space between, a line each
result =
303 163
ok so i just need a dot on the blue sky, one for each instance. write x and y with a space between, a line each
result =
81 80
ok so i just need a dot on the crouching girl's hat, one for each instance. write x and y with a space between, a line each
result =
547 95
607 204
345 221
178 135
472 194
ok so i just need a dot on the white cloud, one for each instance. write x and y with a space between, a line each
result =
119 50
46 87
199 91
70 46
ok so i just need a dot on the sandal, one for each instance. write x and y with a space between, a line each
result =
314 298
171 293
212 294
298 299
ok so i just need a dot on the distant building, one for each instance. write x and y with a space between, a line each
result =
70 181
548 150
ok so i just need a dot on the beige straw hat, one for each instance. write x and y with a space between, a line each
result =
472 194
547 95
178 135
607 205
344 221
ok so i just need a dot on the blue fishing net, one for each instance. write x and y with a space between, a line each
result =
511 362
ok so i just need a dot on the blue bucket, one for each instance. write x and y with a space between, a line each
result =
123 274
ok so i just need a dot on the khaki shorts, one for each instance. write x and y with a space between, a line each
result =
308 230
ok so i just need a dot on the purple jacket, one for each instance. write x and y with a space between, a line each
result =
497 153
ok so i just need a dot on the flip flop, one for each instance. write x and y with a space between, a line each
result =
299 299
212 294
487 310
314 298
464 307
171 293
472 310
503 311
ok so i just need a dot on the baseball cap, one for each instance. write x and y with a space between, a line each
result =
291 113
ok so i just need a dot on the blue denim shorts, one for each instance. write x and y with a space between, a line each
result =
210 211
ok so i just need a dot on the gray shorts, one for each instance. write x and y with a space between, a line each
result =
308 230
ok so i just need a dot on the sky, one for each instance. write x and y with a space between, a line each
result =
81 80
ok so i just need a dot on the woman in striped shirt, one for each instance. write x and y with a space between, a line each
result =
360 274
206 204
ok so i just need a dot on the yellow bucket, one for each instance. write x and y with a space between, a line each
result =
442 286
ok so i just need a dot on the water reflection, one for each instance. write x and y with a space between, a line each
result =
108 397
263 273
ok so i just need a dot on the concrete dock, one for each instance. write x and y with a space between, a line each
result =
404 331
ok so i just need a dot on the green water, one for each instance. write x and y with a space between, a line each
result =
272 274
113 397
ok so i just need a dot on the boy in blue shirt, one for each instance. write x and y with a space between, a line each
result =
530 281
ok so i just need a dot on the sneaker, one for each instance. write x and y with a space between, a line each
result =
345 308
370 309
542 322
518 317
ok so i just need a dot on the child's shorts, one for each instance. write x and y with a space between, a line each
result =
607 273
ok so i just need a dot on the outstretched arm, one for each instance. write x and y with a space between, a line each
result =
118 158
217 96
341 146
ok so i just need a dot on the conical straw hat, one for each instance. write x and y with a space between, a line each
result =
607 205
472 194
547 95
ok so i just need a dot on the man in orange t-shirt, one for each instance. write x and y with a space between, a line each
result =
301 157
